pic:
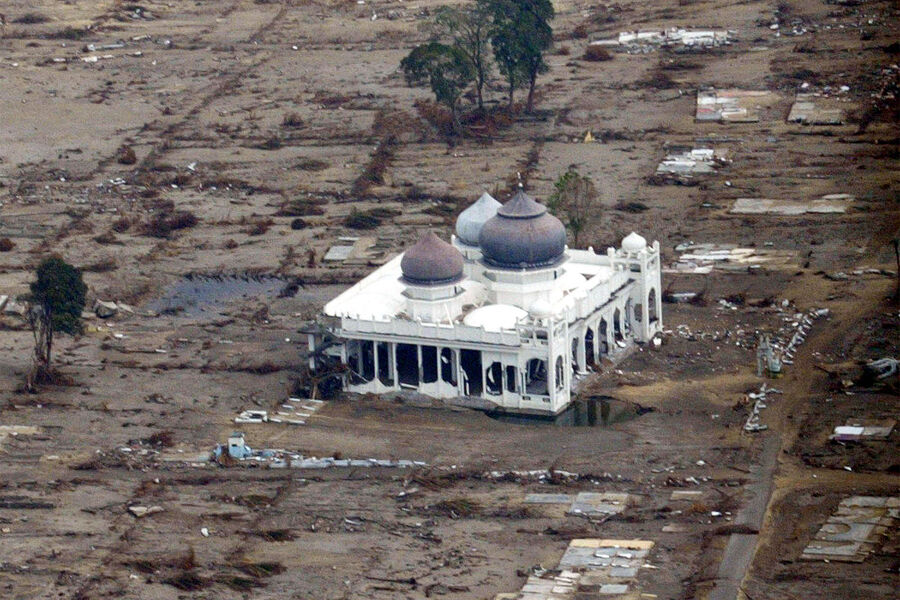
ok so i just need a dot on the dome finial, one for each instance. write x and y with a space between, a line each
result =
519 176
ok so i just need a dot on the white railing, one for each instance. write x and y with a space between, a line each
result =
431 331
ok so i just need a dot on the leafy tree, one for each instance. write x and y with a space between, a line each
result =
468 29
520 35
577 201
446 69
55 304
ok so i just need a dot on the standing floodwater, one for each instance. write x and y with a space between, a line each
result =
199 295
596 411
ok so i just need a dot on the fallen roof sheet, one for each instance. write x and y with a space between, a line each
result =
863 429
833 203
808 109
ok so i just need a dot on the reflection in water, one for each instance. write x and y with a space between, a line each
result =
596 411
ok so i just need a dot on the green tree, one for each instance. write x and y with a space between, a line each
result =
446 69
468 28
55 304
576 201
520 35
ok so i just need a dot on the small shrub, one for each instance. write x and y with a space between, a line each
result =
580 32
106 238
312 164
70 33
125 155
564 50
292 120
300 208
166 439
6 245
163 224
596 54
260 227
298 224
121 225
273 143
358 220
31 19
104 265
231 245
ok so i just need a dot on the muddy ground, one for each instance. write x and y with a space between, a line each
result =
244 116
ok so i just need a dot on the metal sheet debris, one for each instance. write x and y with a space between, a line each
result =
856 430
592 504
732 106
855 529
832 203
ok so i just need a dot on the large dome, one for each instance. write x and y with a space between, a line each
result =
470 221
431 261
523 235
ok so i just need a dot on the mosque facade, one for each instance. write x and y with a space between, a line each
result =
504 317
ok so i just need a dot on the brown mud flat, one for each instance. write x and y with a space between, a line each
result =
195 148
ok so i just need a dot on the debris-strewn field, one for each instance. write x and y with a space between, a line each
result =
221 168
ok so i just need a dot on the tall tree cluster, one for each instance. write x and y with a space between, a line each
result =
467 43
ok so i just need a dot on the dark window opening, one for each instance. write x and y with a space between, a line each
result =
536 377
429 364
512 379
470 361
408 365
385 364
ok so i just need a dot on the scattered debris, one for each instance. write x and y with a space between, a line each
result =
642 42
587 567
732 106
853 531
682 164
703 258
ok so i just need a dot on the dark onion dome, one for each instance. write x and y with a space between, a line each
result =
431 261
522 235
471 220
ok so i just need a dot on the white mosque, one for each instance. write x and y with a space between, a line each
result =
505 317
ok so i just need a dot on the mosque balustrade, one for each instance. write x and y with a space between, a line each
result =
455 332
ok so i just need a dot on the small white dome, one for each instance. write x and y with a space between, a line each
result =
633 243
495 317
541 309
470 221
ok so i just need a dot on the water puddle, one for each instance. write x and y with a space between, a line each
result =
199 295
597 411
